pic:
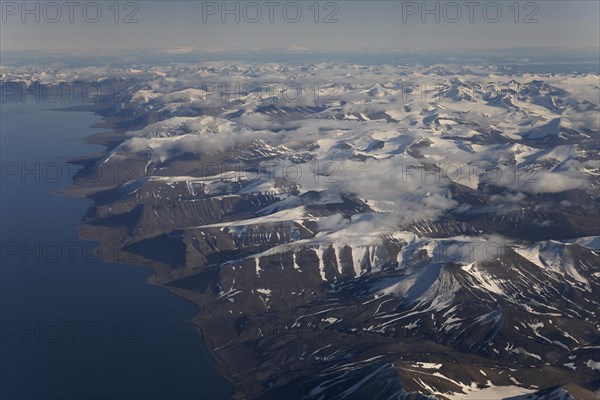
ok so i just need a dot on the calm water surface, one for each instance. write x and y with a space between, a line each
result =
73 326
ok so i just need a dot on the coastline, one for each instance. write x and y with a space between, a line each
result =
109 140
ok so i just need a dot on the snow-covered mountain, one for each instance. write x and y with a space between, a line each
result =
349 230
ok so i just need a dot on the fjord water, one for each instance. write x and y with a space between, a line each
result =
73 326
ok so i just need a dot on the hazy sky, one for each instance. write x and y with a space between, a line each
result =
188 26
